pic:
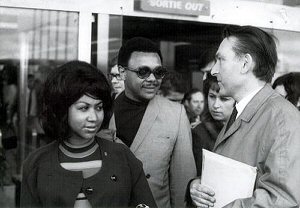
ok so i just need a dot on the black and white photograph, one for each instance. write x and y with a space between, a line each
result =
150 103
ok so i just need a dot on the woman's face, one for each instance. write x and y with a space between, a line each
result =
85 117
220 107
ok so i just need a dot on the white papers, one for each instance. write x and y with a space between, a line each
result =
230 179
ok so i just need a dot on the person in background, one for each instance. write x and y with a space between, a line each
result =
9 123
156 129
219 110
173 86
193 102
288 86
207 60
263 130
2 106
79 169
9 93
117 81
31 102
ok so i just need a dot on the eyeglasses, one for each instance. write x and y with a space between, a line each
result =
144 72
117 76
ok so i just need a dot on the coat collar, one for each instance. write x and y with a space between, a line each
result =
146 124
149 117
250 110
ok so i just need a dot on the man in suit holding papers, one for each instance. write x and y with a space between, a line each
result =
265 132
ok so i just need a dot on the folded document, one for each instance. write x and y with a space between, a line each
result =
230 179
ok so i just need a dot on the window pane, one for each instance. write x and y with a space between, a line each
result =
32 43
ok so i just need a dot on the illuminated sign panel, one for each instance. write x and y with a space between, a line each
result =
179 7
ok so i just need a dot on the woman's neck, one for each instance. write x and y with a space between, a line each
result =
78 143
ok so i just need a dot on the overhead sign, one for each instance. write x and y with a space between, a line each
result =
179 7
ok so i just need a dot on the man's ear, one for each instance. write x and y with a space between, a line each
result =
248 64
186 103
122 72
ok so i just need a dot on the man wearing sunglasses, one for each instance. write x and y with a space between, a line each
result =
156 129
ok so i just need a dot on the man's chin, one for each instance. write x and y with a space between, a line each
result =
118 91
218 117
148 95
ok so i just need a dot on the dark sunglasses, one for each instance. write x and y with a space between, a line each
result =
117 76
144 72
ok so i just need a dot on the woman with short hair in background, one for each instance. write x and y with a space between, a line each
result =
288 85
217 111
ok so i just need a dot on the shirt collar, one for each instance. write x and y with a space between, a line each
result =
242 104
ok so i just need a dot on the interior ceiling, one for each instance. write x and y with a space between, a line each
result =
171 30
191 39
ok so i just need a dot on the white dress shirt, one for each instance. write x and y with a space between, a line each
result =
240 106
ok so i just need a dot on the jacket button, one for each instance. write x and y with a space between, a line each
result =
113 178
148 176
89 190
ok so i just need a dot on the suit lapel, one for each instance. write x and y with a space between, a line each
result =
247 114
233 128
112 123
146 124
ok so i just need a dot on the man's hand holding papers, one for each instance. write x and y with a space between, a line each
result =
201 195
222 181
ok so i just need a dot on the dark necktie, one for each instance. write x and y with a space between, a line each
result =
232 118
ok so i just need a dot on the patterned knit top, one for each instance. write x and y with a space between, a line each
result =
86 159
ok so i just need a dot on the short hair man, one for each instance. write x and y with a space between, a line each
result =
173 86
156 129
266 131
207 60
193 102
115 78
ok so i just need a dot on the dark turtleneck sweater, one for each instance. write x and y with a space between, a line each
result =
128 116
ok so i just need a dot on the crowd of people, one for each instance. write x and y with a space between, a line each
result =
134 138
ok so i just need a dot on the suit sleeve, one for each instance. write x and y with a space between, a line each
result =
182 166
278 182
140 193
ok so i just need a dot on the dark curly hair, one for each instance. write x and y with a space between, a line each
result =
137 44
63 87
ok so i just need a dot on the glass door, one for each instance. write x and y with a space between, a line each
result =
33 42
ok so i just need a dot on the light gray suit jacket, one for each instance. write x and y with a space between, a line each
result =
164 144
267 135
